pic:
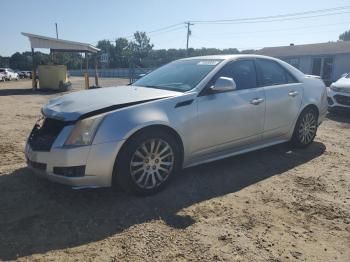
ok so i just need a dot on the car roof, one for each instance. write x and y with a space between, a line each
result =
297 73
229 57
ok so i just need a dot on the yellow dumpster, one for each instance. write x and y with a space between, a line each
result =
53 77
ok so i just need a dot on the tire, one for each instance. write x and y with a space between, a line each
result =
144 173
305 129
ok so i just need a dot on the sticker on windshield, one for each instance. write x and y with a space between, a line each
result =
208 62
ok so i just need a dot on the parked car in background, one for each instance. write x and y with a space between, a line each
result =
27 74
339 94
185 113
21 75
9 74
2 77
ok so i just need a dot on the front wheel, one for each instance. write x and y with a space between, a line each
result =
305 128
147 162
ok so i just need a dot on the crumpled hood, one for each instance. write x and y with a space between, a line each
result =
73 106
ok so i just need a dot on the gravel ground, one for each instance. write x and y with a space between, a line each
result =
275 204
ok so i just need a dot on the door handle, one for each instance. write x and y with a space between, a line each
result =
293 93
257 101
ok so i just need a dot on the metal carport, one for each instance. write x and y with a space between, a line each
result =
60 45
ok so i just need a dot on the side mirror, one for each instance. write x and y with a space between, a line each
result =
223 84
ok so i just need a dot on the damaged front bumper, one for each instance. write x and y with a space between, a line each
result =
338 100
77 166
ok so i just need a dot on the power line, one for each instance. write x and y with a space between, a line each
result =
168 31
152 34
230 42
274 20
278 30
164 28
249 20
158 30
272 17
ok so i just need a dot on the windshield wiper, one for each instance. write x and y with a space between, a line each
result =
152 86
163 88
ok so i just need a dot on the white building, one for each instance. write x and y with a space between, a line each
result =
328 60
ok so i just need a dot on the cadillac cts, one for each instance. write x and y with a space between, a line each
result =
185 113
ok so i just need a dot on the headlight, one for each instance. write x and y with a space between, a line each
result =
334 88
84 131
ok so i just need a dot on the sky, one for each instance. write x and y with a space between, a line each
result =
91 20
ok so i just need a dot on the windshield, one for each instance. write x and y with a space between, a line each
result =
180 75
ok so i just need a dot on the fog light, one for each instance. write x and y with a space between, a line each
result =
71 171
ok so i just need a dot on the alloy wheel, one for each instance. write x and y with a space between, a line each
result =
152 163
307 128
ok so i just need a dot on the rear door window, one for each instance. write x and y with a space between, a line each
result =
271 73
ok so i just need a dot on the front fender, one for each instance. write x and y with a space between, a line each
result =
121 124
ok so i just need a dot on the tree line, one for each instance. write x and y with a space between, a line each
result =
122 53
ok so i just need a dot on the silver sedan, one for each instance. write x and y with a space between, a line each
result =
185 113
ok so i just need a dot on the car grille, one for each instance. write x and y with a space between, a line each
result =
42 137
37 165
343 100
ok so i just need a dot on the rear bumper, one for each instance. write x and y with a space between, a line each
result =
98 161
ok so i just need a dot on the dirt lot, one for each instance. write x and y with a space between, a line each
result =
275 204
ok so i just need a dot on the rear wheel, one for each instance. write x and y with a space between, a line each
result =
305 128
147 162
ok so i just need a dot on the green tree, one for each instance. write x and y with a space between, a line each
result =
4 61
140 47
71 60
121 52
18 61
108 48
345 36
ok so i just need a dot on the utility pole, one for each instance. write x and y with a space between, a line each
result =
188 35
56 31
